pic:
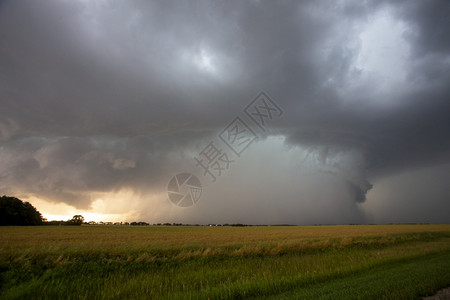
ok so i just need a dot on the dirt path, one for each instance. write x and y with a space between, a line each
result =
443 294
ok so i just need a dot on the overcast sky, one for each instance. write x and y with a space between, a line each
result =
102 102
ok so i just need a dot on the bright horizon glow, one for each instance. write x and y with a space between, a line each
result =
107 207
87 217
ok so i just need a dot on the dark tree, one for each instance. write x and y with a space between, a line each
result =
76 220
15 212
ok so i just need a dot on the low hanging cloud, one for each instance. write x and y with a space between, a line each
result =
101 97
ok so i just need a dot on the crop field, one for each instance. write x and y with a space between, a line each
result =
199 262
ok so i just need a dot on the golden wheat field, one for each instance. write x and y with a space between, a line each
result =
218 262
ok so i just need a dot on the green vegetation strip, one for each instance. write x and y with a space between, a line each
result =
400 280
359 262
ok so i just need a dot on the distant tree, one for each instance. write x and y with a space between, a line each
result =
139 223
55 222
14 211
76 220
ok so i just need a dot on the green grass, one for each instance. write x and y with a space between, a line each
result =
317 262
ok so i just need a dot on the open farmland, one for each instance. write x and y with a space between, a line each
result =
196 262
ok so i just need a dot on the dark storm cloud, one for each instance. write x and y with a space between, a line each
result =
99 96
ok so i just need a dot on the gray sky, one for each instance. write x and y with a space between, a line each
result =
102 102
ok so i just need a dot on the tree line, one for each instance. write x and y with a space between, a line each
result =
15 212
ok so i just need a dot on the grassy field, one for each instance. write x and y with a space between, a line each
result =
317 262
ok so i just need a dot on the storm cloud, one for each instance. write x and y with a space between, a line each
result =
101 97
